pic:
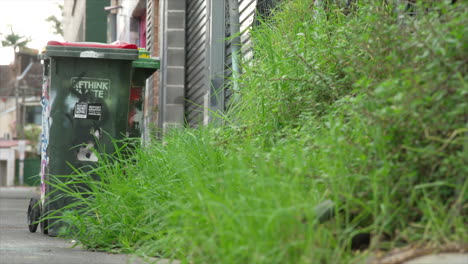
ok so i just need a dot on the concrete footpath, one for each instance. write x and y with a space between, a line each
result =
448 258
439 258
19 246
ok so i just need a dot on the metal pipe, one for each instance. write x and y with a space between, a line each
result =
234 27
23 74
17 112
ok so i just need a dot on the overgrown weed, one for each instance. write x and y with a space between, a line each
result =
365 107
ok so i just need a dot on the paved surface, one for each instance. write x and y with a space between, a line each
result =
445 258
19 246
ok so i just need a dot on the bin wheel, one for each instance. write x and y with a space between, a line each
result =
34 214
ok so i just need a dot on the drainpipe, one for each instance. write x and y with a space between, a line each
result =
234 26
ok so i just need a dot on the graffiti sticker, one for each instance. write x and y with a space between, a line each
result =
98 88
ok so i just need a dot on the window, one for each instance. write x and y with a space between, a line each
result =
34 114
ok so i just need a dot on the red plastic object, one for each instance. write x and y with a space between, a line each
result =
115 45
135 93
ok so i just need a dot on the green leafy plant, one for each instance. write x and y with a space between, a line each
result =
15 40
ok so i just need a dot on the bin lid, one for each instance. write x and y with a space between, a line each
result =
146 63
118 50
115 45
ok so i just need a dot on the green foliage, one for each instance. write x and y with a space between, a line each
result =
56 24
15 40
364 106
32 133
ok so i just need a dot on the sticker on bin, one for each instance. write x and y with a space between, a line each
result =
88 111
91 54
98 88
94 111
81 110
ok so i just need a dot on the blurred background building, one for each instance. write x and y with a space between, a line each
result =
20 115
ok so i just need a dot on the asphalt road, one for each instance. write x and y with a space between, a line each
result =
19 246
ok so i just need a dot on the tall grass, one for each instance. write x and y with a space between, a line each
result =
361 106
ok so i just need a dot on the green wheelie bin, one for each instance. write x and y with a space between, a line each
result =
87 103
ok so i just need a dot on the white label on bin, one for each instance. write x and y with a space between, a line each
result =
91 54
81 110
94 111
97 88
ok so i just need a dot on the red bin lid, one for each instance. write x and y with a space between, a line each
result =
115 45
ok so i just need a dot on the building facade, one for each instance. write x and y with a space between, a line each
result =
85 20
20 90
193 40
20 113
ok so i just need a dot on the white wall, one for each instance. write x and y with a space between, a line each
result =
7 117
73 20
124 20
7 167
